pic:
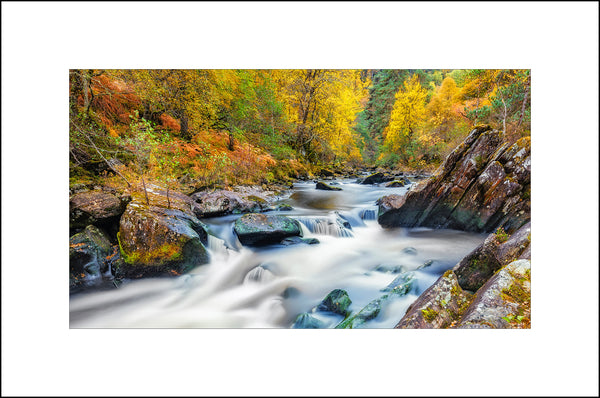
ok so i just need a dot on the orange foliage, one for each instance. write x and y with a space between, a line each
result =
169 122
113 100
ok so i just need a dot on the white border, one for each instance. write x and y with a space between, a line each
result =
41 41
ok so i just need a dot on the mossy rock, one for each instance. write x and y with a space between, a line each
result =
155 240
337 301
326 187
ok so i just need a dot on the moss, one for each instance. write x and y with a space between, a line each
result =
516 293
501 235
256 199
429 314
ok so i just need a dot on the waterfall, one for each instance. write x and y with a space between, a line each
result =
327 225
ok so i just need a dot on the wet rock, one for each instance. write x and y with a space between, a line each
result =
157 240
367 313
377 178
89 251
504 301
401 285
259 275
410 250
337 301
482 184
256 229
425 264
90 207
325 187
439 306
307 321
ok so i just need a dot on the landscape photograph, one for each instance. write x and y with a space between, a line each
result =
299 198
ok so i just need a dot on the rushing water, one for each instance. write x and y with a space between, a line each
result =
269 287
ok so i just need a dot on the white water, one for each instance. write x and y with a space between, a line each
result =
269 287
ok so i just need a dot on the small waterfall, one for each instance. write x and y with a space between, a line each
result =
217 247
332 225
368 214
259 275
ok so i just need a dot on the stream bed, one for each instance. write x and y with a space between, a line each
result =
269 287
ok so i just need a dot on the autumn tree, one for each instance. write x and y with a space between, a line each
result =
406 120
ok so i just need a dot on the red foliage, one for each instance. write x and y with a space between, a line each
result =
113 100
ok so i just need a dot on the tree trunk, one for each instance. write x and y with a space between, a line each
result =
231 143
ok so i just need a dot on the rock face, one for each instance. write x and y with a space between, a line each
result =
498 272
438 306
256 229
92 207
325 187
479 265
88 252
482 184
503 302
157 240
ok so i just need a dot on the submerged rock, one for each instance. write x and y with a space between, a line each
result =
401 285
398 183
504 301
325 187
482 184
307 321
157 240
337 301
294 240
88 256
256 229
367 313
437 307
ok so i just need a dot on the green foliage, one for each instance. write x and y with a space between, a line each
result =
501 235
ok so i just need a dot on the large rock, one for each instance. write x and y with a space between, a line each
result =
222 202
482 184
88 256
479 265
157 240
325 187
257 229
504 301
377 178
307 321
91 207
440 306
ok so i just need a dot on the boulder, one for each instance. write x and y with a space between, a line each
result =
479 265
504 301
337 301
307 321
221 202
91 207
89 251
325 187
325 173
257 229
156 240
440 306
284 207
483 184
377 178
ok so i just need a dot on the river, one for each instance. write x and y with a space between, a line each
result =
269 287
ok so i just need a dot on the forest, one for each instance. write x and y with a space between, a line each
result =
189 129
